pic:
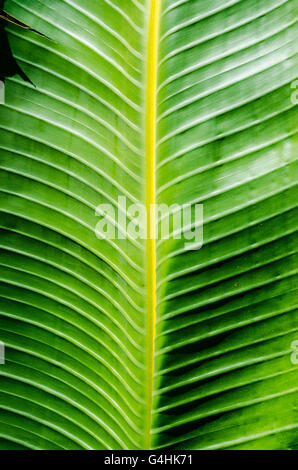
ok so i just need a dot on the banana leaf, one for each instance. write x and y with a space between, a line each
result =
143 343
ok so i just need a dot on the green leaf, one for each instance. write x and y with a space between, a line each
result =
78 313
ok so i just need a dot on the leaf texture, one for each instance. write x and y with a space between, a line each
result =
226 313
73 317
74 308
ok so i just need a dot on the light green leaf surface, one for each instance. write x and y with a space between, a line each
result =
74 308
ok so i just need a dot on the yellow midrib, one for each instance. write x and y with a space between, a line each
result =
152 59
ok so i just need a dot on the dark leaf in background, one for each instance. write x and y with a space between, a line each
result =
8 65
